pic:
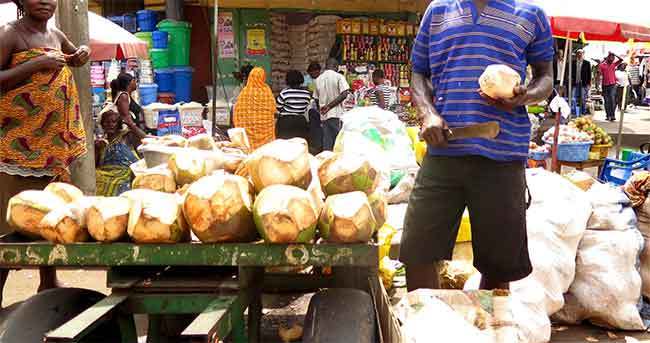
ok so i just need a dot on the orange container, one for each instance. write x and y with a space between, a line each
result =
373 27
356 27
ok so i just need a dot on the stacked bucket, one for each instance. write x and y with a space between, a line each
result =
148 88
171 60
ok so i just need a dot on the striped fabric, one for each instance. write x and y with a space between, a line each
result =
293 101
454 46
386 90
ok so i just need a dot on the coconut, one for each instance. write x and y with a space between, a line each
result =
187 167
159 179
281 162
379 206
173 141
315 189
65 191
202 142
155 217
347 218
239 139
26 210
63 226
285 214
499 81
348 172
107 218
218 208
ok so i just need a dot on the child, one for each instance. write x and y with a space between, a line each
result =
381 94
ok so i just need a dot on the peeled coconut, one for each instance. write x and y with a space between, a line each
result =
239 139
348 172
187 167
155 217
26 211
219 209
63 226
65 191
285 214
172 141
159 179
108 218
499 81
281 162
347 218
202 142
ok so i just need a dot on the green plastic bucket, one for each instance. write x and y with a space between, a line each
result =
627 154
159 58
179 41
145 36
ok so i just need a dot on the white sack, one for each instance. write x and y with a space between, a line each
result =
607 287
611 209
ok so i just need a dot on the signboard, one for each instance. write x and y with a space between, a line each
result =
226 36
256 42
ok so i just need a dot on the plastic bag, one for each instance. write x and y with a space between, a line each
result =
643 214
611 209
401 193
381 136
607 287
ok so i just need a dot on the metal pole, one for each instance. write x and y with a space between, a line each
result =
570 85
215 70
619 139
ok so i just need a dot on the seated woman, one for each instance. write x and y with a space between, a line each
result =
293 103
115 153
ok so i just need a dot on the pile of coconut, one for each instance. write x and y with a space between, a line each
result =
279 193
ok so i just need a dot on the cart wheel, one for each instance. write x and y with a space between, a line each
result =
340 315
48 310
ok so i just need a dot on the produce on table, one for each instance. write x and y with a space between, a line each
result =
155 217
159 179
568 134
597 134
202 142
281 162
239 139
285 214
218 209
186 167
499 81
534 147
65 191
347 172
63 226
27 209
108 218
347 218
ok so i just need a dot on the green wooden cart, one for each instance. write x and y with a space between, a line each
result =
189 279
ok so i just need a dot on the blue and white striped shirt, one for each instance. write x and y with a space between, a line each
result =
454 46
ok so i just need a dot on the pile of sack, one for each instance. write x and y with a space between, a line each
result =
321 36
280 51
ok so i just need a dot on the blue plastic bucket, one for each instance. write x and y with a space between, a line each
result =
160 39
99 95
573 152
165 80
183 83
148 93
146 20
130 23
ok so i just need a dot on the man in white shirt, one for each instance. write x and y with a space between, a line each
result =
622 81
330 90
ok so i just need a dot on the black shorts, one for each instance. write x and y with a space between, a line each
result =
494 193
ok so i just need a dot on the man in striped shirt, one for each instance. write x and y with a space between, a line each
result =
293 103
457 40
380 95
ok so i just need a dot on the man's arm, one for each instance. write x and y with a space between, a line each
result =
339 99
434 128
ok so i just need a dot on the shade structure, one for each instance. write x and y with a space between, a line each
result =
599 20
107 40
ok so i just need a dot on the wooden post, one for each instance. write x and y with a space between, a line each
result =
72 19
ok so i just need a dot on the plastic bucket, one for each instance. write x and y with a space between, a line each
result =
165 80
183 83
117 20
146 20
130 23
148 93
573 152
99 95
167 98
145 36
159 58
160 39
191 114
179 41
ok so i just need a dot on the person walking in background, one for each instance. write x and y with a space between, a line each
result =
331 89
380 95
608 73
622 81
255 109
131 113
636 81
293 103
315 125
581 76
559 69
41 128
313 72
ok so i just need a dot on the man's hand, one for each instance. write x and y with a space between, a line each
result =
519 99
434 130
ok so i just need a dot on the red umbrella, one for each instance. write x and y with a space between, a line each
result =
107 40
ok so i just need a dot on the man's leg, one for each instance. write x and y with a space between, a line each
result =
315 132
496 194
432 219
609 93
331 129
